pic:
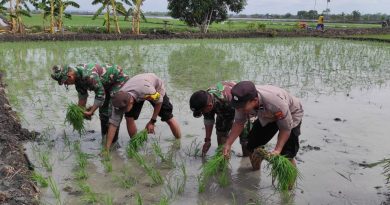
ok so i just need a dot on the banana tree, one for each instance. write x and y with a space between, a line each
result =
137 16
61 6
17 9
56 10
111 6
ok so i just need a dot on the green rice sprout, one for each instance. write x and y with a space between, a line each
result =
152 172
218 166
281 169
81 174
44 158
107 200
89 196
125 180
106 161
138 199
137 142
75 117
164 201
54 188
165 158
194 149
39 179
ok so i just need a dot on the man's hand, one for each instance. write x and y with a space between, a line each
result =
206 147
88 114
104 153
150 127
226 150
276 152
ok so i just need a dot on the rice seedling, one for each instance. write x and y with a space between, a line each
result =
281 169
44 158
107 200
54 188
386 172
138 199
89 196
81 174
126 181
167 159
106 161
194 149
164 201
75 117
137 142
39 179
152 172
216 165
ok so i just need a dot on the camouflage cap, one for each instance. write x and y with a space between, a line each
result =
60 73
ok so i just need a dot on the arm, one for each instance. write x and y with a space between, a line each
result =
100 95
234 133
110 136
282 139
156 111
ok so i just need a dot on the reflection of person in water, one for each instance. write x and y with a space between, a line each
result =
320 23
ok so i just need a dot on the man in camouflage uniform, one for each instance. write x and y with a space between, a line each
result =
216 101
103 79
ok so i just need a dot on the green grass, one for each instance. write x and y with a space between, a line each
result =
216 166
107 200
75 117
281 169
39 179
106 161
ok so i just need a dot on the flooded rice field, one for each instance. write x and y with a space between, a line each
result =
344 87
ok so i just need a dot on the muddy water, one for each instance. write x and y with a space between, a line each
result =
335 79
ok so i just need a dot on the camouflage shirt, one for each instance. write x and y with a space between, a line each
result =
102 79
221 102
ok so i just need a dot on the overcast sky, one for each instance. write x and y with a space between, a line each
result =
280 6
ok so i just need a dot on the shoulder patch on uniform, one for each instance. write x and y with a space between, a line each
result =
153 97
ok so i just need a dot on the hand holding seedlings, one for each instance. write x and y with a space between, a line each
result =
75 117
150 127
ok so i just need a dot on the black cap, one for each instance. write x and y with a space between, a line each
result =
198 101
242 92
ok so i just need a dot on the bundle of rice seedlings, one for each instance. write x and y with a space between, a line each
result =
281 169
217 165
75 117
137 142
